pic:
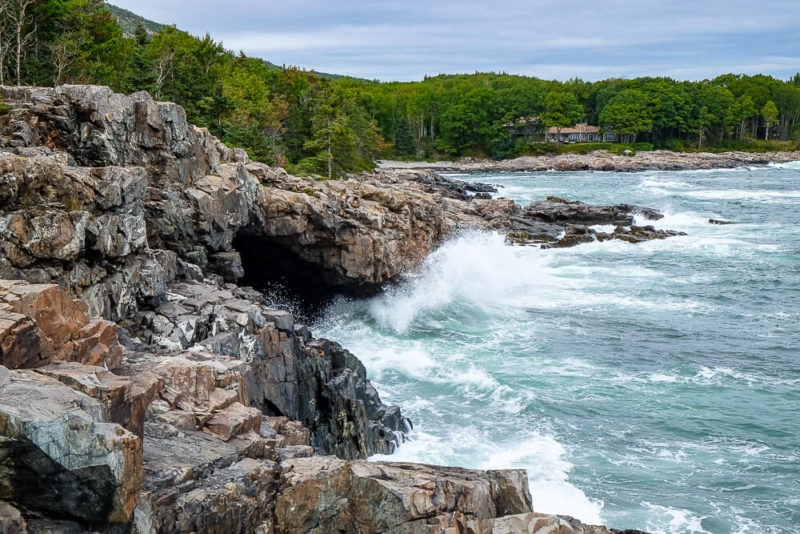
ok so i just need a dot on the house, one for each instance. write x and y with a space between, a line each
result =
532 129
581 133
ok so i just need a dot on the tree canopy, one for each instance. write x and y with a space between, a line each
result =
629 113
335 125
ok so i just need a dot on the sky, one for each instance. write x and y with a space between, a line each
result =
553 39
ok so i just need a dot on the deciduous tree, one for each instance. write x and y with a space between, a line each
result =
561 110
770 114
628 113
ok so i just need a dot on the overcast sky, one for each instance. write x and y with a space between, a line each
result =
590 39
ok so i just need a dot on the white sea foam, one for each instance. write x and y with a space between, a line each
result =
651 183
481 272
666 520
786 165
742 194
548 472
476 268
607 228
661 377
675 221
740 168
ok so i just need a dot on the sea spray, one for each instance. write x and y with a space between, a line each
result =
476 269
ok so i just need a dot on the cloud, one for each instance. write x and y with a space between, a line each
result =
407 40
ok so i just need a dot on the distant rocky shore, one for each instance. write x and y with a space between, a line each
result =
602 160
145 388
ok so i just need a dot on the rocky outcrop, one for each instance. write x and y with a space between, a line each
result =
288 373
602 160
352 233
114 195
358 233
142 390
391 497
330 495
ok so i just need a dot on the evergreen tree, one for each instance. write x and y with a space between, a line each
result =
404 140
139 73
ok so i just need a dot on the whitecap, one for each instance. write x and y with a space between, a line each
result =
742 194
785 165
660 377
667 520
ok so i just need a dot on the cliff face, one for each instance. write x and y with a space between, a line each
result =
141 389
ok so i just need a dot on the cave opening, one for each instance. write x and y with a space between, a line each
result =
284 278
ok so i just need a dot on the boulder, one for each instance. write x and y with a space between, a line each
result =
325 494
126 398
60 455
233 420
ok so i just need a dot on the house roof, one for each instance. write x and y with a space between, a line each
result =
523 121
578 128
581 127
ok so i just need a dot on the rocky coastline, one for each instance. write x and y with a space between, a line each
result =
602 160
145 388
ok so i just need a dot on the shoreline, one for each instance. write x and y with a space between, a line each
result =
601 160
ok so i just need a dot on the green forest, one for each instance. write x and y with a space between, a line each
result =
332 125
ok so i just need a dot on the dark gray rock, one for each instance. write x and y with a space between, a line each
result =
60 456
290 374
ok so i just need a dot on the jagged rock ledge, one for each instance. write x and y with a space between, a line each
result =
602 160
142 390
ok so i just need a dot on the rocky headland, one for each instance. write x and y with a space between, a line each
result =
145 388
602 160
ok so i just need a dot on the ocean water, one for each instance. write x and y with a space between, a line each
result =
652 386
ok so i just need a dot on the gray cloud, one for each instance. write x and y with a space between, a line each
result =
569 38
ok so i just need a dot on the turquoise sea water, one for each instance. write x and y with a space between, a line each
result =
652 386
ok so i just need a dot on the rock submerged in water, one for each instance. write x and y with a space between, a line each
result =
142 390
